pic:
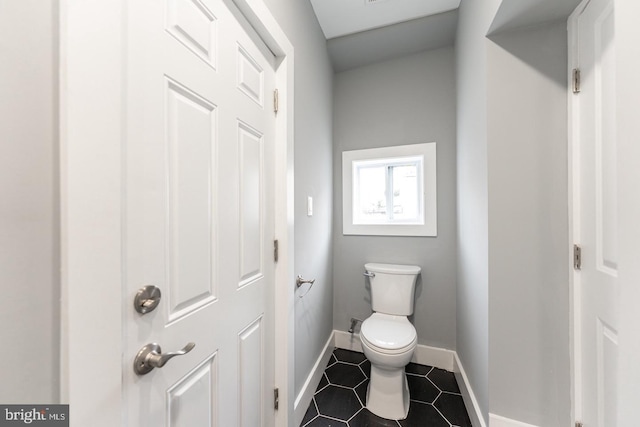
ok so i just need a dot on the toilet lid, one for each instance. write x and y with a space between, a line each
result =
388 332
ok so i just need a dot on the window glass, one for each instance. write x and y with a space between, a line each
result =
406 198
387 191
371 195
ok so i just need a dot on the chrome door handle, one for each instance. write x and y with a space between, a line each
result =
150 356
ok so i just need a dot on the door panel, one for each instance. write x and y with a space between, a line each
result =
194 25
605 145
251 355
199 219
598 215
250 77
191 142
194 397
251 189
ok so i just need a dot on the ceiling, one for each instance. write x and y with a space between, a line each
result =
393 41
363 32
525 13
343 17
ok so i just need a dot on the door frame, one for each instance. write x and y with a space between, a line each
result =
573 145
93 120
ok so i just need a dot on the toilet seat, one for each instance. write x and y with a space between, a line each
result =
388 334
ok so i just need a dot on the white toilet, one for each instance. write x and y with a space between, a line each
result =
388 338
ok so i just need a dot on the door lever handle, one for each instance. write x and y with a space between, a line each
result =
150 356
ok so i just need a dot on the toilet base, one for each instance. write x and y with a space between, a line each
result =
388 393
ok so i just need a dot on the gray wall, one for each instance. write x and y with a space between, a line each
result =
29 241
403 101
528 226
472 298
313 174
512 317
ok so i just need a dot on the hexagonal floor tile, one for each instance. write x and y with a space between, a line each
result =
345 375
361 391
349 356
421 415
337 402
323 383
332 360
453 409
444 380
310 414
365 418
326 422
421 389
340 398
414 368
366 368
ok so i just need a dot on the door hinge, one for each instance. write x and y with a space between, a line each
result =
575 80
276 398
276 101
579 424
577 257
275 250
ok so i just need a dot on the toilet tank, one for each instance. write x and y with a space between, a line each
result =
392 287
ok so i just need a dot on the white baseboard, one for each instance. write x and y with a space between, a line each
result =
433 356
347 341
469 398
498 421
308 389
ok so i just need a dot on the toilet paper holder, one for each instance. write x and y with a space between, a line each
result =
301 281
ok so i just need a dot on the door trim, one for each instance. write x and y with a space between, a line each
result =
92 128
573 145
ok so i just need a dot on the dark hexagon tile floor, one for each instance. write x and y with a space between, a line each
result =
340 398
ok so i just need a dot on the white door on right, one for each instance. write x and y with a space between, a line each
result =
597 219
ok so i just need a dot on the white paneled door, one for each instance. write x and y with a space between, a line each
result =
198 215
597 219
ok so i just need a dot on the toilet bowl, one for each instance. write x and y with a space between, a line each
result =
388 341
388 338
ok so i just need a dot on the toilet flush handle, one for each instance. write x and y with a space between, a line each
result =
369 274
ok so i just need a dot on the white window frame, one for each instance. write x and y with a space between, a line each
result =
426 224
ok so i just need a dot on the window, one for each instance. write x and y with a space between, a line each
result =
390 191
